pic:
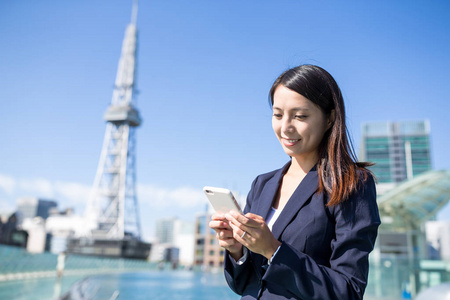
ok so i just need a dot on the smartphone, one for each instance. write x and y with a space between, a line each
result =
221 199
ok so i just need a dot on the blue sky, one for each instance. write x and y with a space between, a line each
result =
204 72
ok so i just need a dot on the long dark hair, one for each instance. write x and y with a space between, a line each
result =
337 165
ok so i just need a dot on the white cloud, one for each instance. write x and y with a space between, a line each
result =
67 194
7 184
183 197
37 187
6 207
74 193
178 200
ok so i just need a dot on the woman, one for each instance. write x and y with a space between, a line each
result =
308 227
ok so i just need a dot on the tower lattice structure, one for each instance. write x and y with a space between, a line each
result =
112 211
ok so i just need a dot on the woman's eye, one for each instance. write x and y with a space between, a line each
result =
300 117
278 116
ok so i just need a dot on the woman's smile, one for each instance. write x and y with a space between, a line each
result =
289 142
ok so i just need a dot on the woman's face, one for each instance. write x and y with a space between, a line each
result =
299 124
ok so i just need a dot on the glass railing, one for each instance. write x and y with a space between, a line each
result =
394 277
390 277
14 260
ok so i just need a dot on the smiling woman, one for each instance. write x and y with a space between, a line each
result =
335 154
299 124
308 227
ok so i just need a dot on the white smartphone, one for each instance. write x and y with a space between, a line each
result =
221 199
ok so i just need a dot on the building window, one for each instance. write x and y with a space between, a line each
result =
201 229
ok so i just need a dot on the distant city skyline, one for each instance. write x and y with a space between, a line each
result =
204 72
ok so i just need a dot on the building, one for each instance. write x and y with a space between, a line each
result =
32 213
400 150
438 237
30 207
165 230
184 241
165 253
407 239
409 195
60 226
207 252
10 234
37 237
174 235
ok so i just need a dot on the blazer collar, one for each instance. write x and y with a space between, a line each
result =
298 199
269 192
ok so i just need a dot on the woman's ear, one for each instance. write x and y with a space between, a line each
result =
331 119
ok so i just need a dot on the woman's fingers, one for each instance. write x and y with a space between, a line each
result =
237 224
219 225
227 241
241 235
224 234
254 217
218 222
236 219
247 223
218 216
251 231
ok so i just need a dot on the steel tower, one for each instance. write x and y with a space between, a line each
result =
112 211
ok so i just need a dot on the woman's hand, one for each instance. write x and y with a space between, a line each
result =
224 234
252 231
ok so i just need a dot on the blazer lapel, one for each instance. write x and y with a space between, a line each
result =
298 199
269 192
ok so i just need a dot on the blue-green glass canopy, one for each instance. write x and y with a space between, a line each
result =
415 201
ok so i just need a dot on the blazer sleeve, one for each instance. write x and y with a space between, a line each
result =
356 224
237 276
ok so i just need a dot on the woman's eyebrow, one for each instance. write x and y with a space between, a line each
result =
305 109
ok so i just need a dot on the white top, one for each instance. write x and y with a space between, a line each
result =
272 217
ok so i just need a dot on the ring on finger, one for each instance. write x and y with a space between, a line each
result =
242 236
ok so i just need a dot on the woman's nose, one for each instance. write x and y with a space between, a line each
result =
286 125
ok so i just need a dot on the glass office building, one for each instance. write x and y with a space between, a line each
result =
30 207
400 150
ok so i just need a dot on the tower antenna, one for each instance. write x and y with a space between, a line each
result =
134 12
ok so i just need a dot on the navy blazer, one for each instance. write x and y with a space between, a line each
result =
324 251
